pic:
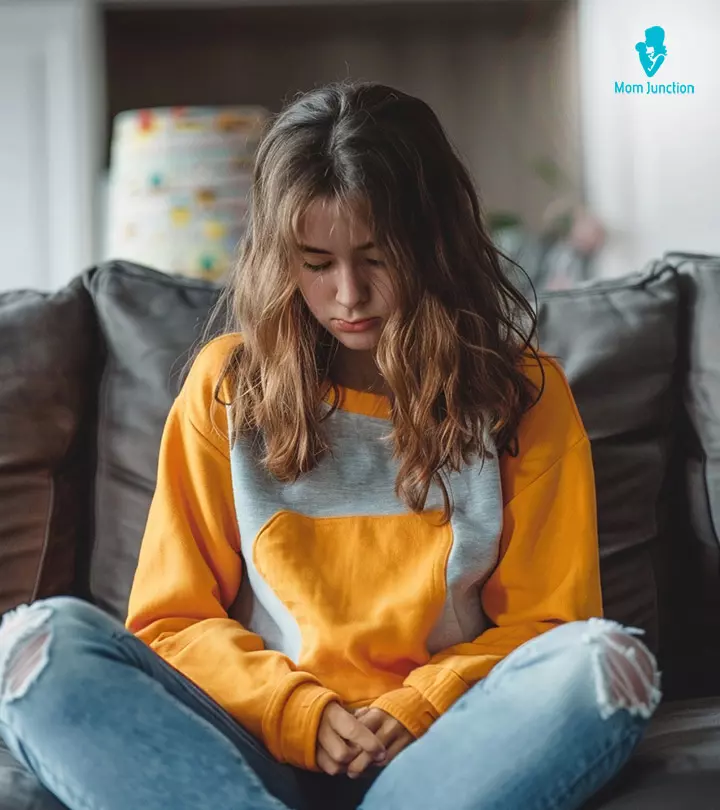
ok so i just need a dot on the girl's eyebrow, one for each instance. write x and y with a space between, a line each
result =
311 249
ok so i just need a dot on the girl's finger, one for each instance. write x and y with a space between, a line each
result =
334 745
358 765
393 747
386 735
350 729
327 764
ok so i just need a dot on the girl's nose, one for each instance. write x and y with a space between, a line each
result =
350 288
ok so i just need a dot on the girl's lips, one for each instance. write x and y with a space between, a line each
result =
355 326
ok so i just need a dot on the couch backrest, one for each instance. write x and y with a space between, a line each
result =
150 323
694 633
617 342
641 357
638 352
48 371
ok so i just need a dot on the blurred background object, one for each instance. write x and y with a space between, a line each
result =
577 179
559 254
178 187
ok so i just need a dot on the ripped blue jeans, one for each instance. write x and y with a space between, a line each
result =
105 723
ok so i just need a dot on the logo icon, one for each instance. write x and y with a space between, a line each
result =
652 51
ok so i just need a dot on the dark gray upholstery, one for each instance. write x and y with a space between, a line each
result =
696 565
19 789
48 367
677 765
149 323
617 342
641 356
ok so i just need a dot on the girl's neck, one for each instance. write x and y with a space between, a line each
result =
357 370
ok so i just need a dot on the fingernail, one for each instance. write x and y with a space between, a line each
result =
381 756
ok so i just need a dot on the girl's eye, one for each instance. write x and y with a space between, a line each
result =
316 268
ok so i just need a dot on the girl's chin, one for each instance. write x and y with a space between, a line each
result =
364 341
358 340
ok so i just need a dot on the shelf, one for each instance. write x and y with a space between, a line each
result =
500 74
204 4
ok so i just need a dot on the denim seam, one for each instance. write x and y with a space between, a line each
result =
213 708
253 782
559 802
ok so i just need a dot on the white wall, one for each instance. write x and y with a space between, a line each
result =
651 162
51 133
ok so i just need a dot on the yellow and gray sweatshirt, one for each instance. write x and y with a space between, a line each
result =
277 598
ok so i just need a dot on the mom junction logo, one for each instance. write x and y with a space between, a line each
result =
652 55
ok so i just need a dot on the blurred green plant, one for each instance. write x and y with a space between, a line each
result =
549 171
498 220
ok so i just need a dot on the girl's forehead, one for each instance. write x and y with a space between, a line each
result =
330 216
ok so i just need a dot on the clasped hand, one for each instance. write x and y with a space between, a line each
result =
348 742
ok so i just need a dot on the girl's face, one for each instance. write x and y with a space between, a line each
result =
343 276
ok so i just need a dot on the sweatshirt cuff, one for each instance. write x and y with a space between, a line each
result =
408 707
440 686
291 720
429 692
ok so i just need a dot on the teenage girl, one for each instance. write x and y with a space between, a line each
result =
369 576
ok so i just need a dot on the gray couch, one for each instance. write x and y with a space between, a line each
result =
87 376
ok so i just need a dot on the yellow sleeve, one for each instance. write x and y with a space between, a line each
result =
548 571
189 573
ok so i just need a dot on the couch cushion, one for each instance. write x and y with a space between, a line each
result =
149 322
618 345
676 765
47 392
696 566
20 789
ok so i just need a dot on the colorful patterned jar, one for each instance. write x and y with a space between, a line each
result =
178 186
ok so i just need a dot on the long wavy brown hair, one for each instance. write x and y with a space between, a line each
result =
455 351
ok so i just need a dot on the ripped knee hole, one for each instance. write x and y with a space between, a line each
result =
24 649
625 671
